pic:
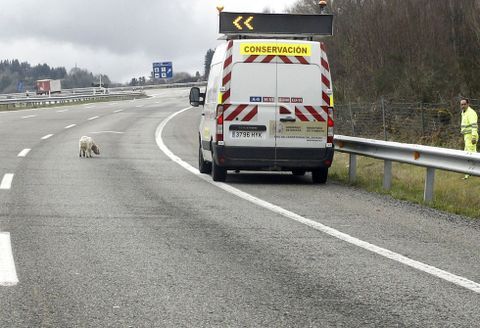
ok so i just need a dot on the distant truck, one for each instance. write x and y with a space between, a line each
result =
48 86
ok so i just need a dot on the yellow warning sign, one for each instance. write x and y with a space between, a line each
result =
276 49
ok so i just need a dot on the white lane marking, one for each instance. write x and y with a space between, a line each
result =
98 132
62 110
47 136
93 118
23 153
8 274
6 181
70 126
439 273
139 106
28 116
89 107
118 111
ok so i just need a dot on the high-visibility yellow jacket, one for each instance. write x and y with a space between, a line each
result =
469 123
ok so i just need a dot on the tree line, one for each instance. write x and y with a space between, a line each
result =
419 50
16 76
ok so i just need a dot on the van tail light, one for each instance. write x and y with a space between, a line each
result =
330 126
219 123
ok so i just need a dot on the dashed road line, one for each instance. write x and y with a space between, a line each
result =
6 183
62 111
118 111
28 116
47 136
8 274
70 126
93 118
23 153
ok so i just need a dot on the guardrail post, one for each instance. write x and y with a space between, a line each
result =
352 168
429 183
387 175
384 119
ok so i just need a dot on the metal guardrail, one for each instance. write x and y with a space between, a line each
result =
430 157
15 97
46 100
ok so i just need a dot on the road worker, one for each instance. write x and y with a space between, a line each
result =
469 127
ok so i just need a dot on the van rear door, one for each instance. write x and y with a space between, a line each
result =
301 126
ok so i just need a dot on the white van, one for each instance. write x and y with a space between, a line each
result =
267 106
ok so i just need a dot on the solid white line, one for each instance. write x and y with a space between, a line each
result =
98 132
7 181
29 116
458 280
93 118
23 153
8 274
47 136
70 126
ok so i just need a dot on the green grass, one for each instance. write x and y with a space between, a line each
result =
451 193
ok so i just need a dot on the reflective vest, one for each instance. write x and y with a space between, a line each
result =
469 122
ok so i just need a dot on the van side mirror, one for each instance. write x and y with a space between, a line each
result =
196 97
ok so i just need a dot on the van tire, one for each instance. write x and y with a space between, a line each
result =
218 172
320 176
203 166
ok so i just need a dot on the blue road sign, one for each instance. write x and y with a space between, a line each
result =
20 86
163 70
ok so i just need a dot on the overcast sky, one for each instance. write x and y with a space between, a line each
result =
120 38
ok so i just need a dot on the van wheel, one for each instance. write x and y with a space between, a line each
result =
298 172
218 172
203 165
320 175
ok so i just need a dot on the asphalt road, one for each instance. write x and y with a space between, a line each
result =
131 238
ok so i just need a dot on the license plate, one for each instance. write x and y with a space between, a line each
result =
247 134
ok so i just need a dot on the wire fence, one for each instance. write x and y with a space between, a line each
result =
417 123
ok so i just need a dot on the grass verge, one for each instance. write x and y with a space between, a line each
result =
452 194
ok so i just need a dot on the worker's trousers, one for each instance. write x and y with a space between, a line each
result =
468 143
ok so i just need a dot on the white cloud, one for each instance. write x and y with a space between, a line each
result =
119 38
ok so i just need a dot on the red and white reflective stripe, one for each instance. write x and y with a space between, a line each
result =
326 78
243 113
284 110
285 59
294 60
227 72
311 113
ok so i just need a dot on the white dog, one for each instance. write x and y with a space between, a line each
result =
86 145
